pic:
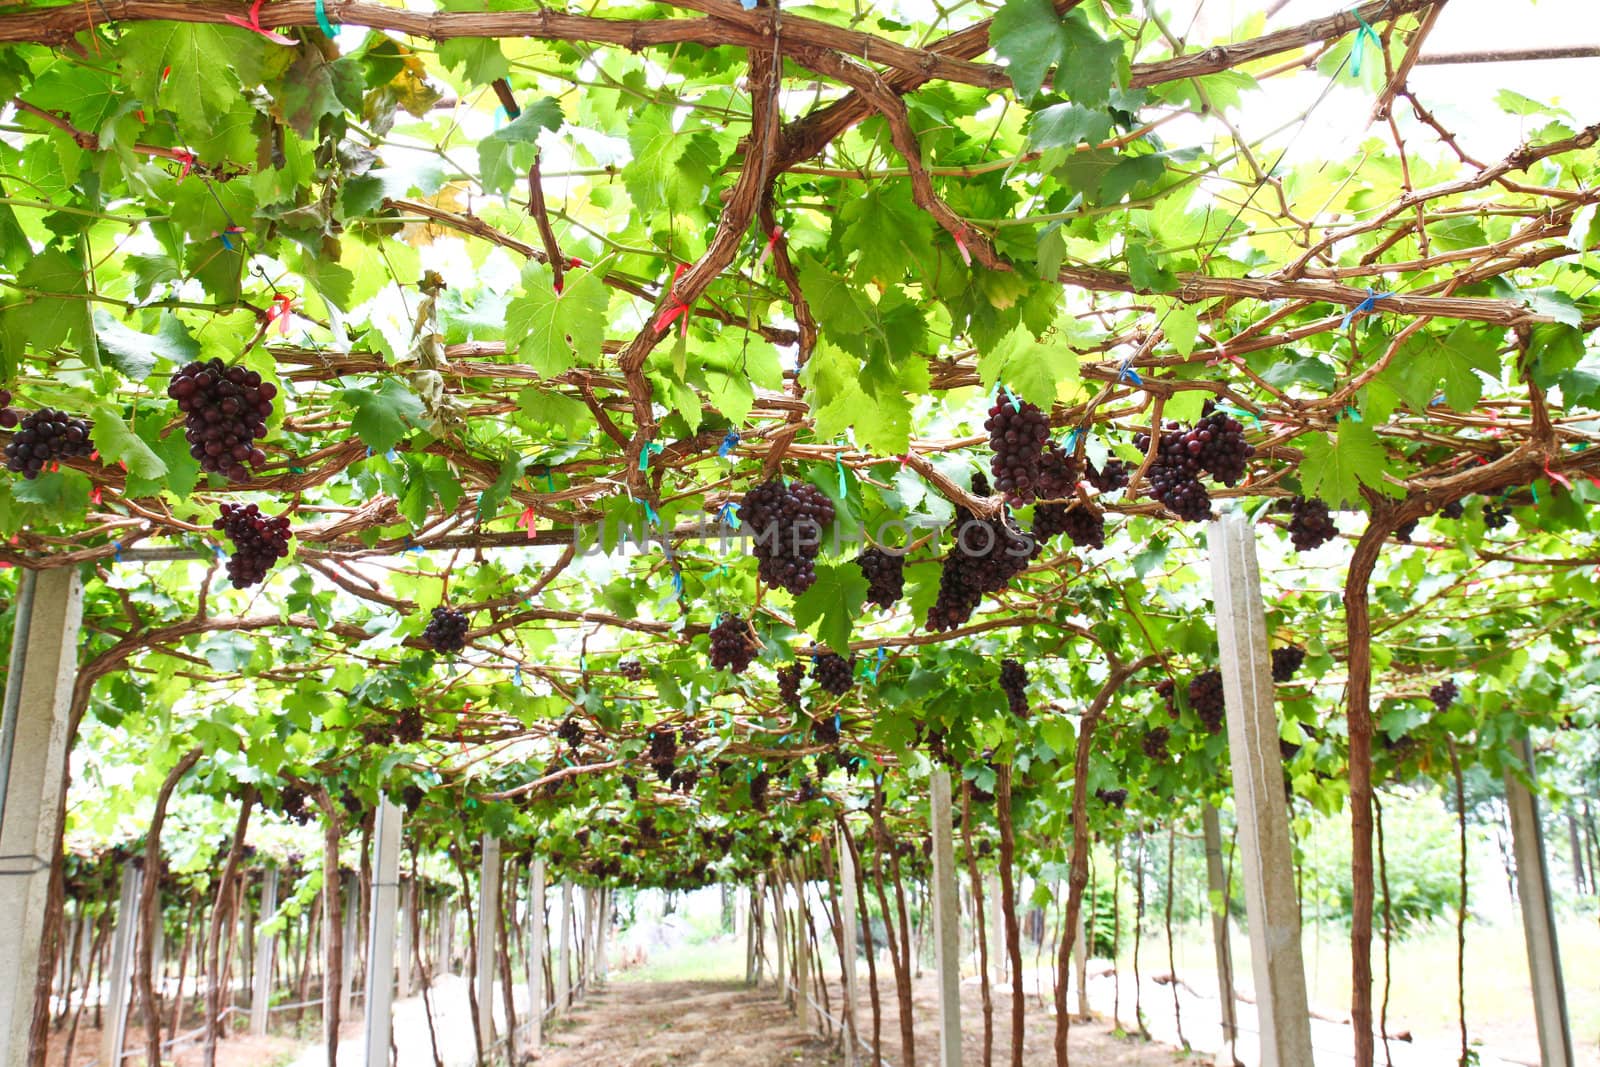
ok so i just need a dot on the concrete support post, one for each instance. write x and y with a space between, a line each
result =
488 920
1538 919
564 953
1217 887
408 913
602 937
446 934
850 922
536 938
33 763
747 912
380 934
997 928
802 954
1080 957
1268 857
119 989
946 920
266 949
352 919
780 931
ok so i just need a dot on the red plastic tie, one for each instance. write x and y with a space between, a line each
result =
279 312
665 320
772 241
527 520
1557 477
961 246
253 24
186 158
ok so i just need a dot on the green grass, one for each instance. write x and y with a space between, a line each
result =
708 961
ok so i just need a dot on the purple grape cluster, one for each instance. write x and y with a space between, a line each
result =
446 630
1114 798
1058 474
826 729
1205 697
8 415
663 752
1154 742
1403 532
1286 662
570 731
1108 479
1444 694
987 554
1167 690
47 436
1083 525
1214 445
1018 432
409 725
1453 510
631 669
731 646
1014 683
1495 517
259 541
1222 450
789 678
758 791
833 672
292 803
1310 523
225 411
787 522
886 575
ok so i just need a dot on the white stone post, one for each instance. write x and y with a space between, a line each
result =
997 929
1217 887
33 762
408 913
602 936
352 918
1538 919
946 920
802 954
1265 850
381 932
564 953
124 943
488 920
849 920
266 949
536 938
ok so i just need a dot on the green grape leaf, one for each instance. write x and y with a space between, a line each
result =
383 416
1337 465
499 153
551 331
829 608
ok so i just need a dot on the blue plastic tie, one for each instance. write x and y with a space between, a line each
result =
729 443
650 513
837 722
499 117
1366 306
322 19
650 449
1364 34
844 489
1131 375
516 676
392 456
748 5
225 242
116 550
677 581
1016 405
730 515
1072 439
1350 413
217 549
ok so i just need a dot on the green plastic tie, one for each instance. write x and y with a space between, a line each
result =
1364 34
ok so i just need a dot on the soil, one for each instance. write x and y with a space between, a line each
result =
727 1024
684 1024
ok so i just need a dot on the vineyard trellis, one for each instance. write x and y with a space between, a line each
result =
498 288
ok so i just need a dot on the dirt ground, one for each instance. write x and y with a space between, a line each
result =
682 1024
717 1024
234 1052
